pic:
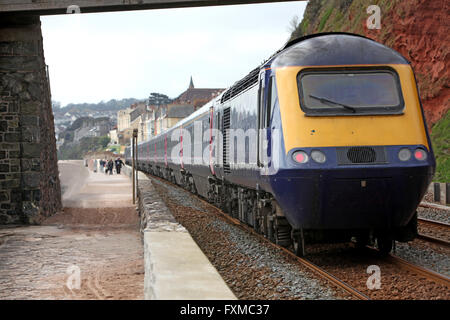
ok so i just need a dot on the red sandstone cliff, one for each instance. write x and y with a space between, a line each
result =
418 29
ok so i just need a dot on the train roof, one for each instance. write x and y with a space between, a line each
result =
319 49
335 48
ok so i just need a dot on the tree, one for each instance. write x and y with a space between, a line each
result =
103 141
293 24
158 99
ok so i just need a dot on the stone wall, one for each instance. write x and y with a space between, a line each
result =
29 181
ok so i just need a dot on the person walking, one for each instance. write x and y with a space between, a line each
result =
119 164
110 166
106 166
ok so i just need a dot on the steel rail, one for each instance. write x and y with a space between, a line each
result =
402 263
428 238
431 275
434 222
434 206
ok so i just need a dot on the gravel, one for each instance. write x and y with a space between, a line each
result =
434 214
295 282
251 268
426 255
180 196
352 266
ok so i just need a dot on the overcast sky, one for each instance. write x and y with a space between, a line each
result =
103 56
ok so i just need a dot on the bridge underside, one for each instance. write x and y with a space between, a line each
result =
49 7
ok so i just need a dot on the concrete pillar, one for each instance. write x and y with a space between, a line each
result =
29 181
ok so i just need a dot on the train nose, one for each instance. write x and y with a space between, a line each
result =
361 198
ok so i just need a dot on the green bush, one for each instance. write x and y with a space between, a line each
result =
440 139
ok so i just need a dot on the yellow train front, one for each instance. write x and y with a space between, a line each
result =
356 155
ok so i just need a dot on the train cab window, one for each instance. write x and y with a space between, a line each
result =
271 100
348 91
266 106
261 122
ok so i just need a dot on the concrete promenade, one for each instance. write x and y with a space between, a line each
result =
92 249
88 189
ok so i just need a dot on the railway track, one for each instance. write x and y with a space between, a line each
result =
392 259
433 226
435 240
435 223
434 206
429 274
308 264
337 279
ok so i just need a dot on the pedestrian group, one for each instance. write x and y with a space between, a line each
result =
108 165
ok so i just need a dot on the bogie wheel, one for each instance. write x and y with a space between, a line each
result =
384 244
298 243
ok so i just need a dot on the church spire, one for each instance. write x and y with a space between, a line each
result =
191 84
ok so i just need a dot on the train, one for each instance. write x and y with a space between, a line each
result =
326 141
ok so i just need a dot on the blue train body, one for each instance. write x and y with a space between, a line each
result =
377 159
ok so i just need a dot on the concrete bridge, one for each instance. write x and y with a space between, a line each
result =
47 7
29 181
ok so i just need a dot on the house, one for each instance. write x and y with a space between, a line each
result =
197 96
163 117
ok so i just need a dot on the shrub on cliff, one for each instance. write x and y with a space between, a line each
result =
440 138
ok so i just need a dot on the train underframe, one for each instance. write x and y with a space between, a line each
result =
259 210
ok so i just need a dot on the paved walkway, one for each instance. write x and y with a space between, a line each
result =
92 250
87 189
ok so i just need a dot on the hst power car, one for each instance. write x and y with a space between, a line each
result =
325 141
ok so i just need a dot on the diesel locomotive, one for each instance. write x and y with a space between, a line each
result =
326 141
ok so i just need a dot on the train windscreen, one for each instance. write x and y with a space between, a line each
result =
334 92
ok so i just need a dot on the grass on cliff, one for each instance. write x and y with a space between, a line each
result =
440 139
325 18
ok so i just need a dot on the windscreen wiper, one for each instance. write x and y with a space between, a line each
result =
324 100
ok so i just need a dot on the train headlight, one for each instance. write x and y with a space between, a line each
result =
318 156
420 154
300 156
404 154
